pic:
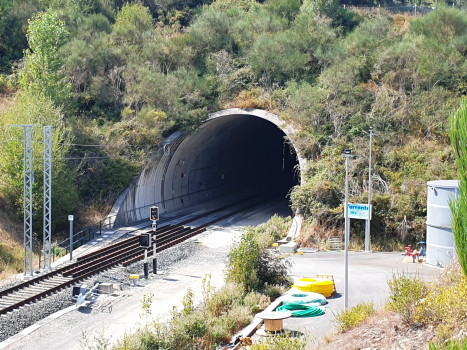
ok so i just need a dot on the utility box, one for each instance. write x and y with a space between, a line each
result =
106 288
77 290
145 240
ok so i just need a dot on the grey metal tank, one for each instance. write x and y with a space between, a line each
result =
440 245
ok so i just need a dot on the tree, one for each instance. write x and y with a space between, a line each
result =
42 73
458 135
132 22
44 94
38 111
5 8
277 56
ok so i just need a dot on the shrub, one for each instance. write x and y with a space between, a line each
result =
445 304
274 291
243 257
450 345
219 302
252 266
273 230
285 342
458 206
405 294
350 318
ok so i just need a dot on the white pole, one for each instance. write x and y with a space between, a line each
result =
368 221
347 155
71 218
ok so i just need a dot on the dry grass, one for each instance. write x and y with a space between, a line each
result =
88 215
11 243
384 330
255 98
439 317
5 102
315 236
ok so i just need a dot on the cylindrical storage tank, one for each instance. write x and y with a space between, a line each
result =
440 246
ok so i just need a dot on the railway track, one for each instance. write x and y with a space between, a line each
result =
122 253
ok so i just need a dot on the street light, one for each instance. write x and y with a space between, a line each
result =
347 154
367 226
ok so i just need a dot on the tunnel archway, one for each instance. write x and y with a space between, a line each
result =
235 152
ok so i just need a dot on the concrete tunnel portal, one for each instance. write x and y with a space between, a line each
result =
234 154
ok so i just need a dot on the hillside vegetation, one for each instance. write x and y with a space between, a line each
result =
114 78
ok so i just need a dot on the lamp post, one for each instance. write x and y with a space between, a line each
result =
347 154
367 226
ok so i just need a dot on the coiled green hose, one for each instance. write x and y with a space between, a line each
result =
301 310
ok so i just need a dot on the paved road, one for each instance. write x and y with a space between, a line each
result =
368 276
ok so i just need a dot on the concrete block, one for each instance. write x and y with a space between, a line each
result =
288 248
106 288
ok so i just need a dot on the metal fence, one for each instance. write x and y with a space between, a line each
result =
82 237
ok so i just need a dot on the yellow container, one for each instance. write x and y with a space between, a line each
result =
317 285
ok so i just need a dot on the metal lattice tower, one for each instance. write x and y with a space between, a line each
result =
28 180
47 197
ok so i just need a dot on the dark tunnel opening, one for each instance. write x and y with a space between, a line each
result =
239 155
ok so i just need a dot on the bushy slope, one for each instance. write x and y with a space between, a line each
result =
138 72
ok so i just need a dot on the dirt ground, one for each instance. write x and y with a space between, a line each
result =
385 330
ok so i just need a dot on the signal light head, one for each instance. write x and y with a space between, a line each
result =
154 213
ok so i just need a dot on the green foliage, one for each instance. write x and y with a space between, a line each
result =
283 8
40 112
444 305
273 230
278 55
450 345
132 22
458 206
106 7
320 7
281 342
146 303
13 20
274 291
130 73
224 312
243 259
405 295
42 72
251 265
352 317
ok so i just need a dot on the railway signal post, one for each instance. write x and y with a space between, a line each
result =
154 216
145 242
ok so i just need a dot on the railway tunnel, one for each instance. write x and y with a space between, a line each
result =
235 154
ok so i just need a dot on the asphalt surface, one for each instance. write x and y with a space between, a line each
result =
368 276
